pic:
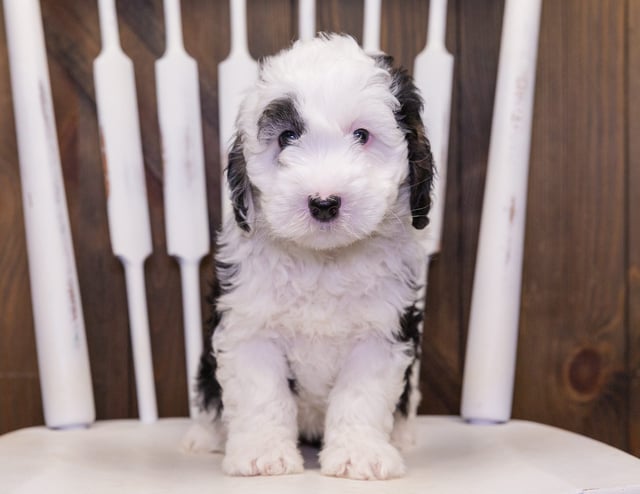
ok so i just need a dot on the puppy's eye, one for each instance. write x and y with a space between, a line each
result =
361 135
286 138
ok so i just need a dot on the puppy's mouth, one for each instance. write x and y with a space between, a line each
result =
333 233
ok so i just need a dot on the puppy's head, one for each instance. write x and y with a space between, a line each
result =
330 146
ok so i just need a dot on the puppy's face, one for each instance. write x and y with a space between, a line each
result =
329 146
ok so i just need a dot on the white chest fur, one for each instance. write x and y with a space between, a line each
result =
281 291
315 305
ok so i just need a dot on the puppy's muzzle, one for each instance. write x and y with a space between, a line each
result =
324 209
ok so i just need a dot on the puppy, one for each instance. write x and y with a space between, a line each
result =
316 333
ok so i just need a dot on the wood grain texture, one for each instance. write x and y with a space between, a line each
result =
442 365
633 221
340 17
579 363
571 368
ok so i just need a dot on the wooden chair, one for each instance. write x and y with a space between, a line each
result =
484 452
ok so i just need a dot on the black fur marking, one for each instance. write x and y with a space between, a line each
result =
403 402
279 115
293 386
421 166
209 390
239 185
207 385
225 273
410 332
410 327
313 441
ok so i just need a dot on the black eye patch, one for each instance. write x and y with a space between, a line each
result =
279 116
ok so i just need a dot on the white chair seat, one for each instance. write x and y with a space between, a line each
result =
450 457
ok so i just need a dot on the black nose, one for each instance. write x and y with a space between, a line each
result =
324 209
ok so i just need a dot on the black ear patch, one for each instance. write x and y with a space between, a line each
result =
239 185
280 115
421 166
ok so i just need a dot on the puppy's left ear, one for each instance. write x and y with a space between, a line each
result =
239 185
421 167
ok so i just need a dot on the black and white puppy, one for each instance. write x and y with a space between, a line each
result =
316 333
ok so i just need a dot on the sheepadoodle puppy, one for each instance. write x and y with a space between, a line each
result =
316 333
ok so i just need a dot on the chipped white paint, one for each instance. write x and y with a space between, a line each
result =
185 198
63 361
236 74
127 209
495 307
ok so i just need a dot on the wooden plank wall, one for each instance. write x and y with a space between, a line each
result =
579 350
633 221
573 314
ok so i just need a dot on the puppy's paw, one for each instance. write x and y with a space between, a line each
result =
362 460
269 459
203 438
403 435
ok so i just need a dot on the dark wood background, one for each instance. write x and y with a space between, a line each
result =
579 349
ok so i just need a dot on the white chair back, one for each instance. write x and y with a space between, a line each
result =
65 378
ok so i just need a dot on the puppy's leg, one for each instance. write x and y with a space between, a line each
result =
360 413
403 433
259 410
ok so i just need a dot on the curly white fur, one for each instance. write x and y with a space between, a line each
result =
310 339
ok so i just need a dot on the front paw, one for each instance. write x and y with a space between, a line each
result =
361 459
274 458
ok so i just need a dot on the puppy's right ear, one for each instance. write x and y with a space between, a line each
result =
239 185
